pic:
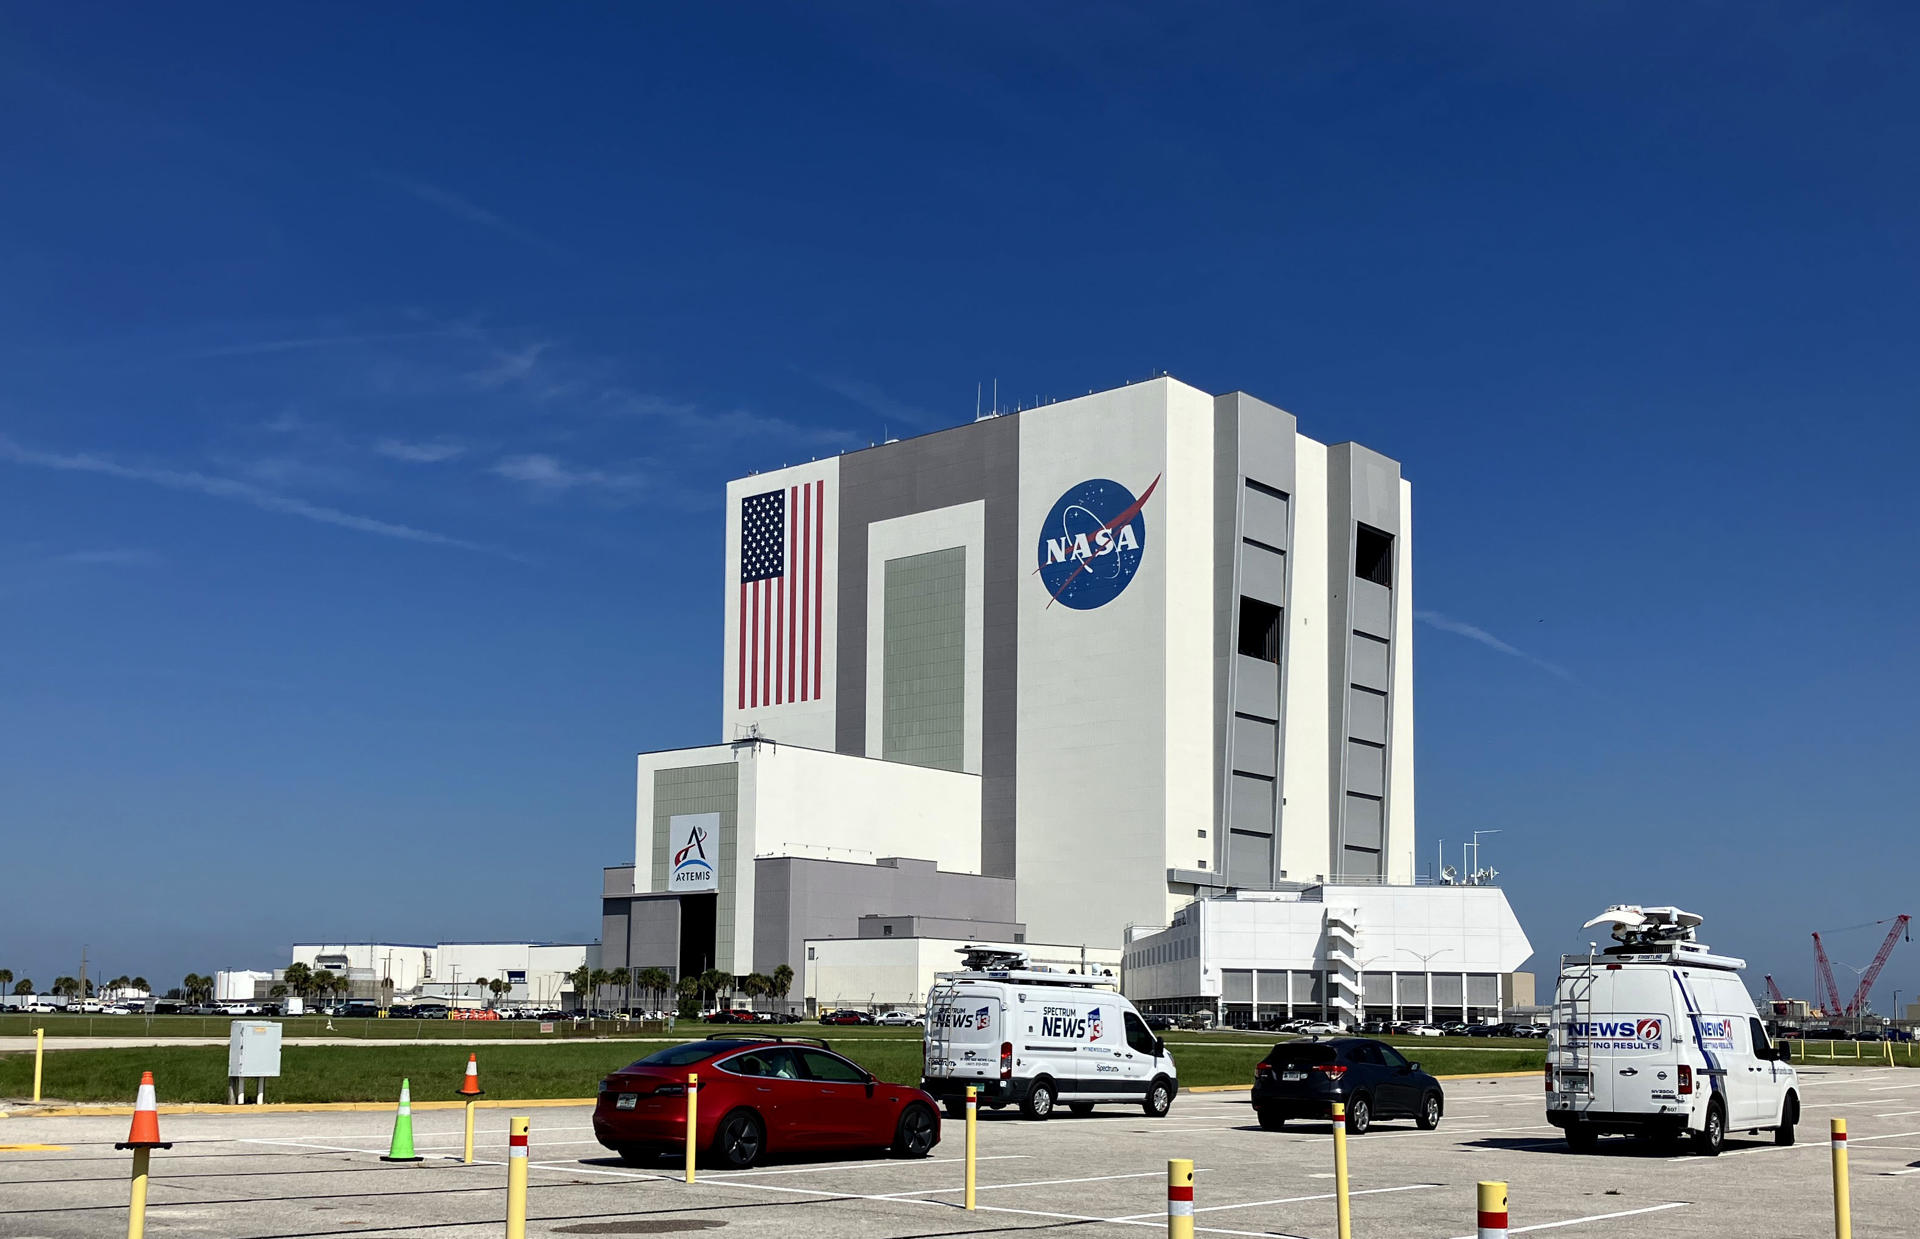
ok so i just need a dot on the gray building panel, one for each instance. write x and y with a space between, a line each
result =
1265 518
1366 769
1263 574
796 898
713 788
1368 665
1252 803
1373 609
1363 488
1366 715
1255 742
924 672
976 462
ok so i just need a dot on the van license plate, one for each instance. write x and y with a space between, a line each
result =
1293 1075
627 1101
1576 1082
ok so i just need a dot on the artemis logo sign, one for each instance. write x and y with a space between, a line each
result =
695 839
1092 542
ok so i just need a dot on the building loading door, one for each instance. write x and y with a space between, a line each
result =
699 922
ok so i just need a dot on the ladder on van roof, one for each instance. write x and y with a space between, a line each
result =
939 1032
1574 1005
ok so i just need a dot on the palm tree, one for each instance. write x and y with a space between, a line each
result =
6 979
656 982
321 982
278 991
712 981
689 991
23 987
499 986
140 983
782 982
64 987
481 982
299 979
580 978
622 980
598 978
342 986
756 986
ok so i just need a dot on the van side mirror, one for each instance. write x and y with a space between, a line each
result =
1159 1048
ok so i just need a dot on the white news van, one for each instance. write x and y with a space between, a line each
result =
1038 1039
1658 1037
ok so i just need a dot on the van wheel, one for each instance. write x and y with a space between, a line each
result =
1039 1101
1707 1141
1789 1115
1582 1139
1429 1116
1359 1116
1080 1107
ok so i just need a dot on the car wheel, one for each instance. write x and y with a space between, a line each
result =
1582 1139
1271 1119
1789 1115
1429 1116
1159 1098
915 1135
1082 1108
955 1107
738 1143
1707 1141
637 1154
1039 1102
1359 1116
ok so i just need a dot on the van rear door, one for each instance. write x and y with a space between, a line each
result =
965 1027
1627 1033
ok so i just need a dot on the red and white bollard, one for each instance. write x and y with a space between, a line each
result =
1180 1198
1493 1210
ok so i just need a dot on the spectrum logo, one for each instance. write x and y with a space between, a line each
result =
1092 542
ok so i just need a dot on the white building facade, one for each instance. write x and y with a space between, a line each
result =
1344 953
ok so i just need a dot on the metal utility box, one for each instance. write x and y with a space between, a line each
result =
253 1052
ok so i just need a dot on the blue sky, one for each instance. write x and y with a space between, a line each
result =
368 380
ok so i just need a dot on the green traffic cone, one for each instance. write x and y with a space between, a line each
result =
402 1148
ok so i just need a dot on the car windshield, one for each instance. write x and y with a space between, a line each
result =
684 1055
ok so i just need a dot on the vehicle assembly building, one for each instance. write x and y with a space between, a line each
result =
1050 678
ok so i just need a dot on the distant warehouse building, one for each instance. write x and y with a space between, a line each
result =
1119 657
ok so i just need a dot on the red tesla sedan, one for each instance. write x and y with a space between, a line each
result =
759 1093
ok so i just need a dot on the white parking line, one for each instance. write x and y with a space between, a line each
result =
1287 1200
897 1163
1598 1217
1896 1114
997 1187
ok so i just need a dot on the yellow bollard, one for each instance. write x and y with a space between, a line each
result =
469 1133
693 1119
39 1050
137 1207
1340 1169
1179 1198
973 1148
1493 1210
517 1179
1842 1201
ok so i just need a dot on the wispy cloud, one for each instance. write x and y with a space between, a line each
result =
419 453
1473 632
898 413
231 489
473 213
298 344
509 366
548 473
112 557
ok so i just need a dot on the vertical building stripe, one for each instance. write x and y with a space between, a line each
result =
792 582
806 567
819 557
740 631
775 647
754 697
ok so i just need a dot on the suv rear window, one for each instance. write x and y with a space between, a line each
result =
1294 1054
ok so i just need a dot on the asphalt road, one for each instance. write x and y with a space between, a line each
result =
269 1176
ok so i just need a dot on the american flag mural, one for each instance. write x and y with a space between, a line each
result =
782 550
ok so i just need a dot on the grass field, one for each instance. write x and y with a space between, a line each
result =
562 1069
296 1027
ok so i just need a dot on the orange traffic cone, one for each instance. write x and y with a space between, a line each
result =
470 1087
146 1119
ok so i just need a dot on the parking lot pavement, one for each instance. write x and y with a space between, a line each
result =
281 1175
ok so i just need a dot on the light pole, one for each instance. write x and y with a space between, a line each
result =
1361 970
1472 876
1426 964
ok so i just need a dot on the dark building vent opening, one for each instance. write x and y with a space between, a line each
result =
1373 556
1259 630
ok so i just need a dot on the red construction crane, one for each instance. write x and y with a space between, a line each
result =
1775 998
1823 976
1872 974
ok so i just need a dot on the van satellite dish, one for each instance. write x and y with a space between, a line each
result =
1635 925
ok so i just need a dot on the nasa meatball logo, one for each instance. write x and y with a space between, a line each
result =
1092 542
